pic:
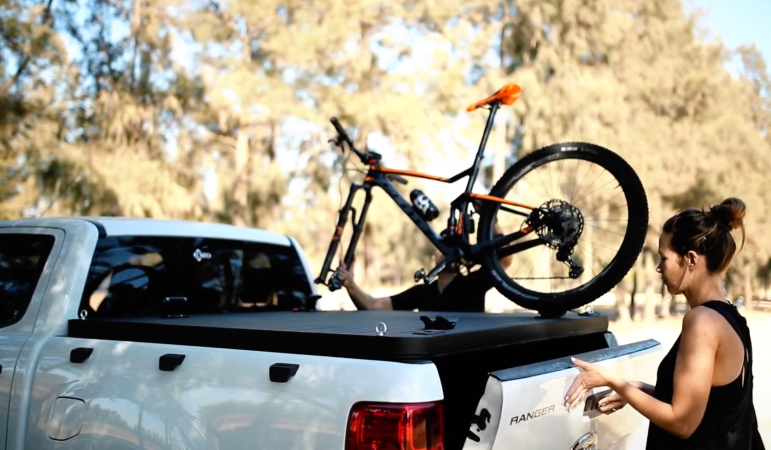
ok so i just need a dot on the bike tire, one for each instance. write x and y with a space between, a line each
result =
613 272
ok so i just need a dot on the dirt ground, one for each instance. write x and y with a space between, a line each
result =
666 332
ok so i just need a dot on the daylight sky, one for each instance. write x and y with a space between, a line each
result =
738 22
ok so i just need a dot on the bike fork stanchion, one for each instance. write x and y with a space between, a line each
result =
341 219
358 227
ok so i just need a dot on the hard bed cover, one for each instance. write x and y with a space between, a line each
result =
341 333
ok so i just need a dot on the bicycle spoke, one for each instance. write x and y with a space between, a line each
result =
596 196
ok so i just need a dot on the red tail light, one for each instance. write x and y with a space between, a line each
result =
396 426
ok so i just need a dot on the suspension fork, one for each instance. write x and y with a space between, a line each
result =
358 227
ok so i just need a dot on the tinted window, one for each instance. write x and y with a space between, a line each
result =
154 276
22 259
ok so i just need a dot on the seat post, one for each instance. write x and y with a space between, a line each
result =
482 144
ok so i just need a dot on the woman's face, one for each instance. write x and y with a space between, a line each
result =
671 265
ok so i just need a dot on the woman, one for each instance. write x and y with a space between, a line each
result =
703 395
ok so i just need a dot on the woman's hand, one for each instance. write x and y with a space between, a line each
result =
345 274
591 376
611 403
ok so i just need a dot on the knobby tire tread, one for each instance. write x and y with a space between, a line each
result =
614 272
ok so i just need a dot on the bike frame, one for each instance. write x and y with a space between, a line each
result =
455 245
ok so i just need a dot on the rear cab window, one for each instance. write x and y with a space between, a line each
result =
22 259
140 276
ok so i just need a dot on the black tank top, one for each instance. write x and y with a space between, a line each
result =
729 422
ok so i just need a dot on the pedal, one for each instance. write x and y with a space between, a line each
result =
420 274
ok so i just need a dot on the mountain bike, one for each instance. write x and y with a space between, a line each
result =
554 226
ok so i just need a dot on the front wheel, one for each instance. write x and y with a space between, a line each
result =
590 221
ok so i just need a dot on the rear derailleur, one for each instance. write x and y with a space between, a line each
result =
559 225
565 255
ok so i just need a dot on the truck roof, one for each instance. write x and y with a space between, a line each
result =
345 334
138 226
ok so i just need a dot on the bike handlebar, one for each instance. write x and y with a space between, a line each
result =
340 129
363 156
344 136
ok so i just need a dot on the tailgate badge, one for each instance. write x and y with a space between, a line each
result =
586 442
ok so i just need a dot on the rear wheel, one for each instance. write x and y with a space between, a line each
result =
591 221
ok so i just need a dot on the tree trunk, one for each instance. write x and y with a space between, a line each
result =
242 156
747 286
241 182
650 297
622 309
636 285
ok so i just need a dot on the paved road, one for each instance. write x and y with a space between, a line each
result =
667 330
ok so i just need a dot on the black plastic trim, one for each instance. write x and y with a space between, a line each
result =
99 228
170 361
312 298
80 354
282 372
555 365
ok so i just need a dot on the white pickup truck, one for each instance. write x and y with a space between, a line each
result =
158 335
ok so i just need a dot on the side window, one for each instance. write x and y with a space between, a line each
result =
22 259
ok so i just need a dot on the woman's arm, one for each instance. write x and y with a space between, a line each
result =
645 387
692 381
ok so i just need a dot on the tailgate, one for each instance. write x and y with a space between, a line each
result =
522 407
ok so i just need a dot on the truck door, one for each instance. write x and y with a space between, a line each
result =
27 256
522 407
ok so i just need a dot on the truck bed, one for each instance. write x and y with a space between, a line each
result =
344 334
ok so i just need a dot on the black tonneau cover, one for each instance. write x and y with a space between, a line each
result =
342 333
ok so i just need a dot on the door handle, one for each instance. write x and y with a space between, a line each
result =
80 354
170 361
282 372
592 401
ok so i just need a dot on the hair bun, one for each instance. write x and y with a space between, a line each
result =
730 213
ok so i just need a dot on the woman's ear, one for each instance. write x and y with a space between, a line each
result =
690 259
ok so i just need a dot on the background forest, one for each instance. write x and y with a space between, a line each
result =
218 110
